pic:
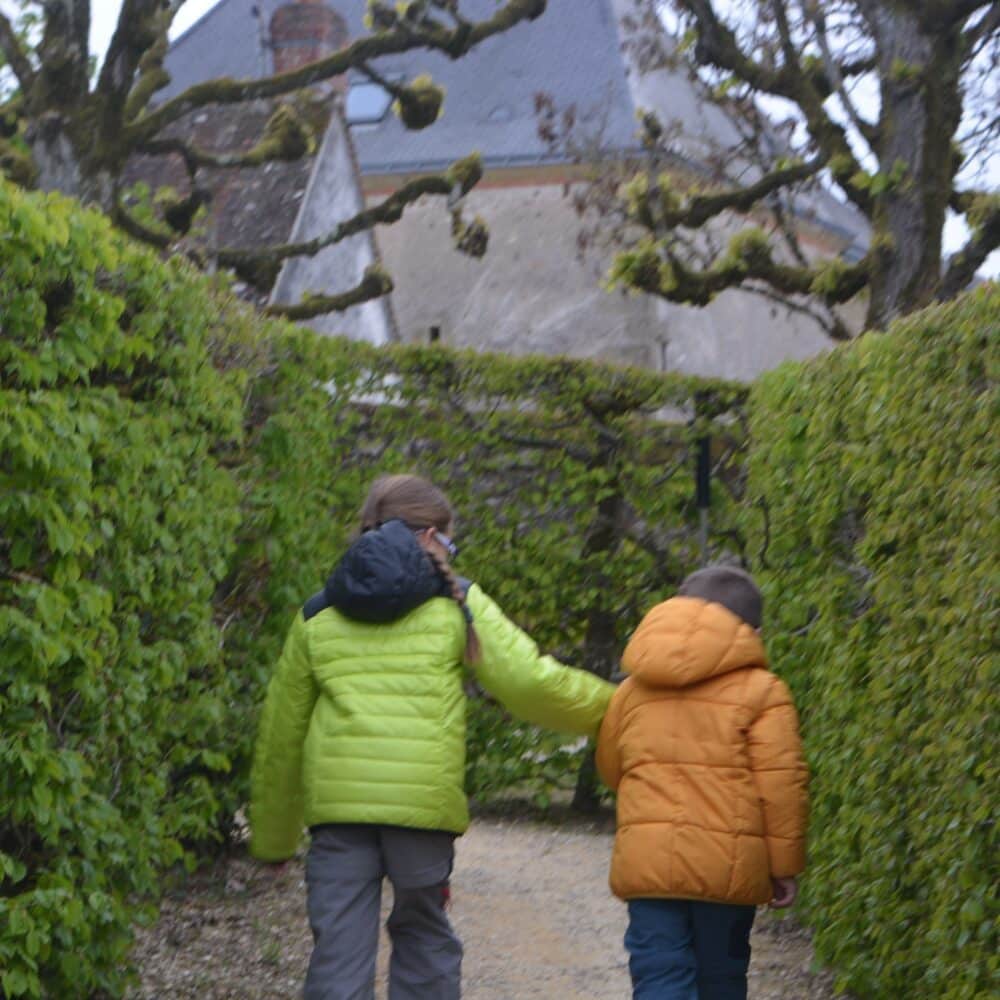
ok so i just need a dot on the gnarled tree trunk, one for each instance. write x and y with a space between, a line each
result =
921 107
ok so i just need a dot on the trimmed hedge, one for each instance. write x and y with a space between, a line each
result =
116 525
873 475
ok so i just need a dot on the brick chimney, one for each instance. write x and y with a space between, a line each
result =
305 31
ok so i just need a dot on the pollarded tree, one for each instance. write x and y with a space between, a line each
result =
66 127
890 103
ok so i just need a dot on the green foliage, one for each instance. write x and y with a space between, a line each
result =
179 475
526 449
876 469
117 523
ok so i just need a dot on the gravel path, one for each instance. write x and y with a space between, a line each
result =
530 901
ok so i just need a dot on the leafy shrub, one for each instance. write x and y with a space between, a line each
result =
116 523
873 483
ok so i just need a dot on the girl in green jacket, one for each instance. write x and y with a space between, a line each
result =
362 739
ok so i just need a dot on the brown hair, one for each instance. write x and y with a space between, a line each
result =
419 504
733 588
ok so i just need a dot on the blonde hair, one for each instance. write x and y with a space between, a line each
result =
419 504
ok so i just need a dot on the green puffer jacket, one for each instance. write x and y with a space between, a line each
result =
364 721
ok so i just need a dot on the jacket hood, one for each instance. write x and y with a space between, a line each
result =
686 640
383 576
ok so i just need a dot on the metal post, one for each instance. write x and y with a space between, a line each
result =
703 491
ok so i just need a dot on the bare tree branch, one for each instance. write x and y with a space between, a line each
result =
984 240
867 130
830 323
17 59
400 38
718 45
986 26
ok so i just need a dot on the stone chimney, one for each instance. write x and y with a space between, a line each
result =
305 31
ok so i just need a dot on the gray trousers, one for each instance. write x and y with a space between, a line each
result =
344 872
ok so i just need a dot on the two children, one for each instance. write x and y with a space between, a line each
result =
701 743
362 739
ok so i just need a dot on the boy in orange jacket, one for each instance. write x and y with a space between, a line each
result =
702 745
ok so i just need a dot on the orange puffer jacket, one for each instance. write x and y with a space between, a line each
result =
701 743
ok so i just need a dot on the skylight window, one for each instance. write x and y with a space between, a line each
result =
367 103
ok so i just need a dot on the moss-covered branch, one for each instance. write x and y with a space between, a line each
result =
373 285
126 221
664 207
455 43
655 269
285 138
459 179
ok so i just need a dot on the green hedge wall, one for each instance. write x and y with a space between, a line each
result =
873 483
116 525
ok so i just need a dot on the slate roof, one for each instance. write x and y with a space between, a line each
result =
571 53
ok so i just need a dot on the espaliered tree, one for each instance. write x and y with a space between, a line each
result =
891 103
65 127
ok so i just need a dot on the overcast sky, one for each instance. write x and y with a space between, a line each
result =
104 14
104 17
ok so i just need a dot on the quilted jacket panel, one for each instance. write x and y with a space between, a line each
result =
365 722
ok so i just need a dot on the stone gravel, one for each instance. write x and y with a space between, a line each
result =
529 899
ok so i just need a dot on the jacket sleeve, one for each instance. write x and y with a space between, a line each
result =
276 798
782 780
533 687
608 758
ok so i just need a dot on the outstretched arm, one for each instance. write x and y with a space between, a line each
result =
533 687
276 804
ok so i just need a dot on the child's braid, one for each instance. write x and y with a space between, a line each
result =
472 648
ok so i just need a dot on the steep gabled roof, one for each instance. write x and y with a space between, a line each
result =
571 53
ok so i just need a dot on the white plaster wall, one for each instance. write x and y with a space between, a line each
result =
531 294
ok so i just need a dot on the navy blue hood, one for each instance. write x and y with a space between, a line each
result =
383 576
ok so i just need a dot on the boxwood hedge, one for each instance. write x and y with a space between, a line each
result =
873 482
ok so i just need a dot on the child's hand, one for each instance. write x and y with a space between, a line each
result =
784 892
